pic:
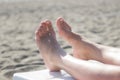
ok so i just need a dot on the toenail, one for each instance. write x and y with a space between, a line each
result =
61 19
48 22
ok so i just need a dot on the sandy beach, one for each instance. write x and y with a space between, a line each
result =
98 20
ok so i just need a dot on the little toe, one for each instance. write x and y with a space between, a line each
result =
38 30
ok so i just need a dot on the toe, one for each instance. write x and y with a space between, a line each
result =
50 28
62 24
40 30
59 23
49 25
43 27
67 27
61 27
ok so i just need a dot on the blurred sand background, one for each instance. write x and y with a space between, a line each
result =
98 20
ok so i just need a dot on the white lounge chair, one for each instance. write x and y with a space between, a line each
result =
42 75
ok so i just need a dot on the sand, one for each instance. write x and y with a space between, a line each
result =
98 20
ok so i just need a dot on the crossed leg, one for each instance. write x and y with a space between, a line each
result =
84 49
55 58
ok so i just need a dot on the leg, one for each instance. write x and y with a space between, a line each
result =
85 70
55 58
84 49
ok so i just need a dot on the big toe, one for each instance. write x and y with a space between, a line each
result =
49 26
50 29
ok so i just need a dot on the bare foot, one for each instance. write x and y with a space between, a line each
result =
81 49
48 46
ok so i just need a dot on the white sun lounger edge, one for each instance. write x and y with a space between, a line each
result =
42 75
